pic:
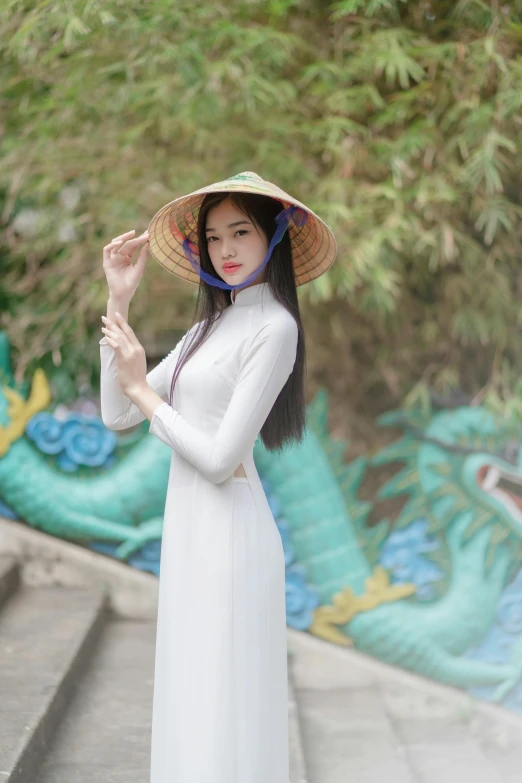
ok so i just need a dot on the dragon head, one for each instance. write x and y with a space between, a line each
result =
458 462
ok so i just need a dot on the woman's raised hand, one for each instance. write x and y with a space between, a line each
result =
123 277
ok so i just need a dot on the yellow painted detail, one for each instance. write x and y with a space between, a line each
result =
346 605
20 410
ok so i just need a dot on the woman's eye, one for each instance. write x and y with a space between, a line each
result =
240 230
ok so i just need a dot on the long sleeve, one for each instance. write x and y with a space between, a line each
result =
265 368
118 412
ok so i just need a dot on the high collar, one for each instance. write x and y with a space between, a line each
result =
254 294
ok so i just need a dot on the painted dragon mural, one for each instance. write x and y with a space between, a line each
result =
436 588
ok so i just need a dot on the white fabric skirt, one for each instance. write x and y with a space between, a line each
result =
220 710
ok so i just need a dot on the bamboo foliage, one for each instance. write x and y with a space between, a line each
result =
397 122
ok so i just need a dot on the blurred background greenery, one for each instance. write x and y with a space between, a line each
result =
397 122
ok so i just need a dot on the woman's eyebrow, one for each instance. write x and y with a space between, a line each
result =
231 225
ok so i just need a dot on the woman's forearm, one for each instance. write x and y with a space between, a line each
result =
117 305
117 410
146 399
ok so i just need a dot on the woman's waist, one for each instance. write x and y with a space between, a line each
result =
182 471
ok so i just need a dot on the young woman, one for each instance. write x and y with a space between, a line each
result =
220 711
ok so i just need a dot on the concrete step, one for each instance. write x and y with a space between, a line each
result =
105 735
445 750
501 743
48 561
9 577
366 721
348 737
46 637
446 734
347 734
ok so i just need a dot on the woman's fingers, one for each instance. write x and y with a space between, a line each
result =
142 258
123 236
110 334
125 242
107 250
111 342
120 341
127 330
121 332
118 240
128 246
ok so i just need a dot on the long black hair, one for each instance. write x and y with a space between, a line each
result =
287 419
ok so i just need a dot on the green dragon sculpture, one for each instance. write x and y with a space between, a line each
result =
318 497
456 466
123 504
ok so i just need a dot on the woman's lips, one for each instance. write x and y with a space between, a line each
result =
230 269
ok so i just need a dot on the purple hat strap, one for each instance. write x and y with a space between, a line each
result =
295 214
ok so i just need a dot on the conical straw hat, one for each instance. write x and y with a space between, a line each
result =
313 244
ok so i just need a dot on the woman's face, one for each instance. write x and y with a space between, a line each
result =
232 238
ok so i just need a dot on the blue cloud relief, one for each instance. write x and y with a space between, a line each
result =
77 440
502 644
301 599
403 554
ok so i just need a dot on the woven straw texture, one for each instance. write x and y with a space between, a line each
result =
313 245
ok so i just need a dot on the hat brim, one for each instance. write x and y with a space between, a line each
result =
313 244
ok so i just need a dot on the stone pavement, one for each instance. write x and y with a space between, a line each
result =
363 721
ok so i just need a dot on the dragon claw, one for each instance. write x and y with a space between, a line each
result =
147 531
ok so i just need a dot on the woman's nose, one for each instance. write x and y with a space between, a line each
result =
227 249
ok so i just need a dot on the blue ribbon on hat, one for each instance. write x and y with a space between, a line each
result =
292 213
